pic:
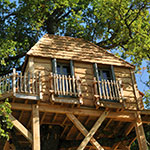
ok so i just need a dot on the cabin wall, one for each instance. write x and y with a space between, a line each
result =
128 82
44 66
86 72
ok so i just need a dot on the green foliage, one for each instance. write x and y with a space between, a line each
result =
147 99
112 24
5 123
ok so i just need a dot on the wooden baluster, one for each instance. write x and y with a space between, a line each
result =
36 83
103 89
116 96
110 92
14 81
63 85
66 79
118 91
60 84
33 88
40 86
25 85
121 90
29 88
21 82
9 82
73 84
70 86
106 89
112 87
18 89
53 78
53 86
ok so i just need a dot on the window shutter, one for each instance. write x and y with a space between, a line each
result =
54 65
113 73
96 74
72 67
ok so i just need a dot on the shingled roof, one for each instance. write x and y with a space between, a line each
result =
69 48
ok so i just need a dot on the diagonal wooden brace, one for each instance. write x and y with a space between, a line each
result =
93 130
21 128
83 130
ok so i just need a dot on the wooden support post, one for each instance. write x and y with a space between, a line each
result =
36 127
93 130
6 146
21 128
140 132
83 130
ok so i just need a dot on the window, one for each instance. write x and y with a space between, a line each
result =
63 69
104 74
106 85
64 80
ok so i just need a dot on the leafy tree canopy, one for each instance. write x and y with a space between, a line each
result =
112 24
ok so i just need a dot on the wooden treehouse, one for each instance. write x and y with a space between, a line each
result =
74 95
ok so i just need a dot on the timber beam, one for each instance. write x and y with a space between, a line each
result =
121 116
36 127
140 133
21 128
83 130
93 131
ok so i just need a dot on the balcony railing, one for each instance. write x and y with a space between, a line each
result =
20 85
108 90
65 86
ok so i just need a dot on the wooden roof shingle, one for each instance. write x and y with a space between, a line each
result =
69 48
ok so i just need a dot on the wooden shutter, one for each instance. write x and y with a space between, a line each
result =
113 73
54 65
72 67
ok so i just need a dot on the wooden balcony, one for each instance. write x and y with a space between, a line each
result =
107 90
24 86
65 89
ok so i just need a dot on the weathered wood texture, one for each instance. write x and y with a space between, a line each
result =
140 133
86 73
74 49
44 66
124 74
36 127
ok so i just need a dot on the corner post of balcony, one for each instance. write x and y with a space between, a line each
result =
122 99
79 89
14 82
96 95
52 78
40 86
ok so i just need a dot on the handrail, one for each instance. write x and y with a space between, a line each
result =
27 83
108 90
63 85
